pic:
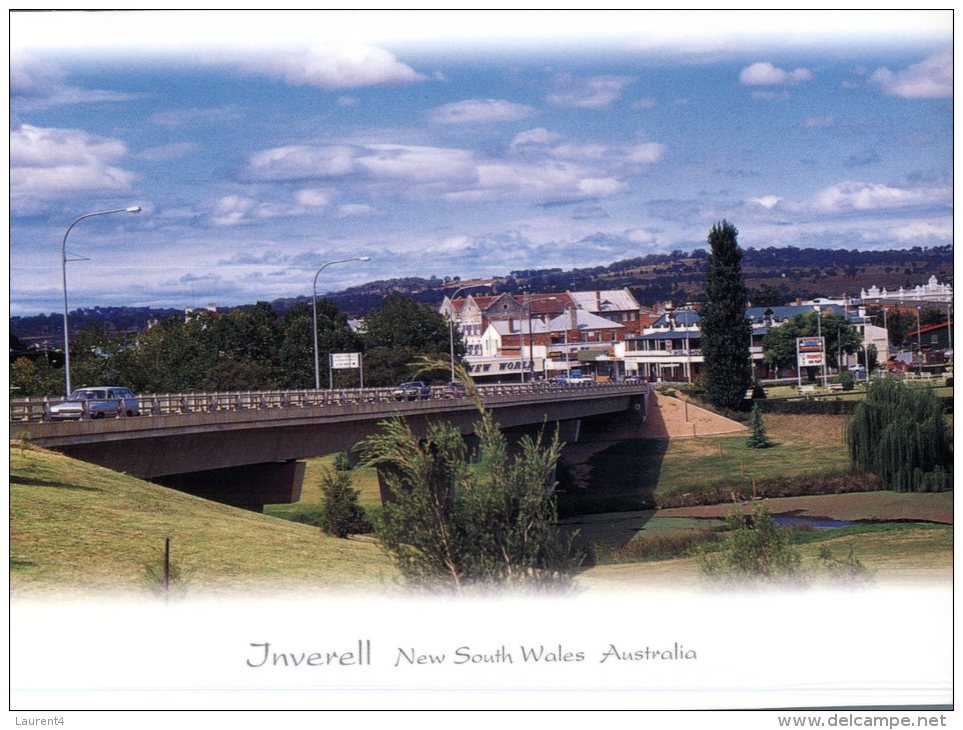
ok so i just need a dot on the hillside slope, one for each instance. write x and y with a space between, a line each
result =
79 528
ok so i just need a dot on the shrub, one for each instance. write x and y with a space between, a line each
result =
342 462
846 380
342 514
754 548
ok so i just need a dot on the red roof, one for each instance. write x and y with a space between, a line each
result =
928 328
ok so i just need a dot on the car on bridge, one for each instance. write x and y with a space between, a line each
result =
454 389
96 402
414 390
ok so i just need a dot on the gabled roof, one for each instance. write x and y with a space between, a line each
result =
683 318
608 300
583 321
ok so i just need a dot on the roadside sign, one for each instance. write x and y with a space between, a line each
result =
809 344
345 360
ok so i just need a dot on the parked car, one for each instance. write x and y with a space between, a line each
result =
454 389
413 390
633 379
98 402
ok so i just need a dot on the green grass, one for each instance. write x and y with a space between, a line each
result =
364 479
78 527
902 553
636 474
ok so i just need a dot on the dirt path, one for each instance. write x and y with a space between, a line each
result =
671 418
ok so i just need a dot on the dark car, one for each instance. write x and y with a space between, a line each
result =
96 402
413 390
454 389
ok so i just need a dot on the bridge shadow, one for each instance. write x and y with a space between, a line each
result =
607 481
30 482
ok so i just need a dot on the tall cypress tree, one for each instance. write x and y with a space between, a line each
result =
725 329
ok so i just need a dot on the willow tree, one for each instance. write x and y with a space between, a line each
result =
899 433
725 330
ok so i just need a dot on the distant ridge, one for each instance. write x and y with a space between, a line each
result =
788 273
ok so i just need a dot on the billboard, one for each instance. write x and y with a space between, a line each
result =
809 351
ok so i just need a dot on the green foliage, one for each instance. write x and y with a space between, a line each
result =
757 439
455 525
342 462
848 570
754 548
30 377
779 345
342 514
900 434
725 329
846 380
400 332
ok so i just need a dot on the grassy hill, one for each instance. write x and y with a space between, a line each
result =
76 527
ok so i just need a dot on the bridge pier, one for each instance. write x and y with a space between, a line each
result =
251 486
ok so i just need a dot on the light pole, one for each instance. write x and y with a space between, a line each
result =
919 343
63 259
314 314
819 334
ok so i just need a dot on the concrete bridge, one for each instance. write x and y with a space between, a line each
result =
245 449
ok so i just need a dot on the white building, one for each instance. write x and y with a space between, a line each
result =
931 291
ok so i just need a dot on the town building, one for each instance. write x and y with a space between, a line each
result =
671 348
931 292
543 333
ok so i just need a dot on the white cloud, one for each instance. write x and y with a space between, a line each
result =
313 198
232 209
329 67
48 163
537 136
647 153
766 201
764 73
418 164
596 92
37 84
929 79
539 182
475 111
861 196
923 230
347 101
301 162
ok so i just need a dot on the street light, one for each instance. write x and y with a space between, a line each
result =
314 313
63 259
919 343
819 334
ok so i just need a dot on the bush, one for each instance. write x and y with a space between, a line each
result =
342 462
846 380
754 548
342 515
797 486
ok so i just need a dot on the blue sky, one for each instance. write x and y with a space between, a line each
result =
262 145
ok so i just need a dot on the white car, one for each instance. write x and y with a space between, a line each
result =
96 402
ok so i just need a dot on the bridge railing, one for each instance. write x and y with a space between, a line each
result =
39 409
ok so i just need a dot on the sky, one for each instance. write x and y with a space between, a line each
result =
262 145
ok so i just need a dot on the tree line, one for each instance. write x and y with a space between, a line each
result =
249 348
